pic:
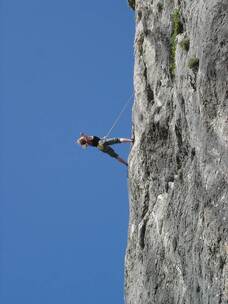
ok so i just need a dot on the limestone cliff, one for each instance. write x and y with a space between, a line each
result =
178 166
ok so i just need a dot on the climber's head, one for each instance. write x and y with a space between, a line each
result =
82 142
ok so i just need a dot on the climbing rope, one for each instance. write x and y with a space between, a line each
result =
119 115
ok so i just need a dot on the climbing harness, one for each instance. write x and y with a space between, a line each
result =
119 115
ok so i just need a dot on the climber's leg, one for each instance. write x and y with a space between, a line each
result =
122 161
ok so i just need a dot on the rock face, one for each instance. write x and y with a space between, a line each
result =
178 167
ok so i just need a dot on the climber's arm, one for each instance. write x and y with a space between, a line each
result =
125 140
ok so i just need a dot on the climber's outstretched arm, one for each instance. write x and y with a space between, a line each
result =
125 140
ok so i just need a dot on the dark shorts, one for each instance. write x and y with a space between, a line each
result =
104 146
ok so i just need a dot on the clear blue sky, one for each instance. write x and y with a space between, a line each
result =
66 67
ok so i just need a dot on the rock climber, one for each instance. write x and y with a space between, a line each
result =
103 144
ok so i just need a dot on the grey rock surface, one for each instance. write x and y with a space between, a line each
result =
178 167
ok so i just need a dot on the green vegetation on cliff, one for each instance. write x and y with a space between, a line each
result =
177 28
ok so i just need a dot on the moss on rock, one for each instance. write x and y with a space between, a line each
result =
193 63
184 44
177 28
